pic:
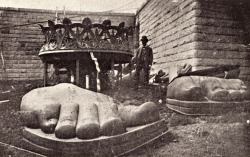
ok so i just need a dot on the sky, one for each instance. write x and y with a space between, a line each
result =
126 6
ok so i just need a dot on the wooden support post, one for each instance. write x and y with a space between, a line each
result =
131 67
112 68
120 71
45 74
77 72
5 76
57 77
112 73
87 81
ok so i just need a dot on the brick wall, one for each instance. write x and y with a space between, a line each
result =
203 33
21 44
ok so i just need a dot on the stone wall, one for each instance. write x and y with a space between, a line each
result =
22 38
203 33
170 28
221 35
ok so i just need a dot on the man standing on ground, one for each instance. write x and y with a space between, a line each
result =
143 60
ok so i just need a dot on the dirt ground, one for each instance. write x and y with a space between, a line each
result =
226 135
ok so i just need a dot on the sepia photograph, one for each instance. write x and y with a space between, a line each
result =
116 78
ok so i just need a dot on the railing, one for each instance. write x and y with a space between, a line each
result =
86 35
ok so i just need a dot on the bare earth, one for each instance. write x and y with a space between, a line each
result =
215 136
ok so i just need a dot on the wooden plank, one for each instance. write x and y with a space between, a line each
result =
212 71
205 107
104 145
16 151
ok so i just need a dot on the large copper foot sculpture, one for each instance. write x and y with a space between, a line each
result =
70 111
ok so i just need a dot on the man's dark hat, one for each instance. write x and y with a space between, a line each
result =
144 38
161 73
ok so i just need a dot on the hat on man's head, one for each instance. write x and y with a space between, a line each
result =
161 73
144 38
